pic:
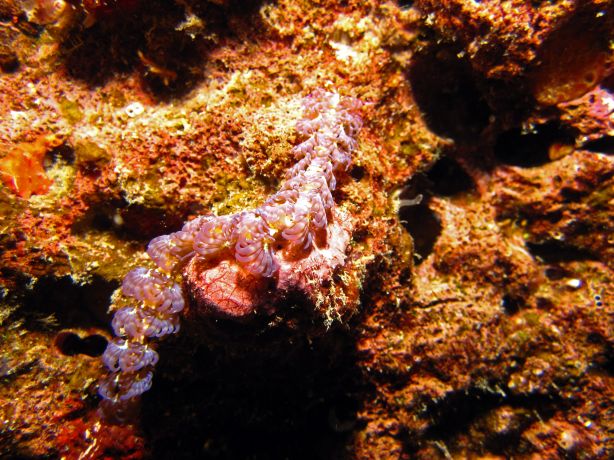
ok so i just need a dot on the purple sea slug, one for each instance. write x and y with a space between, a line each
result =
228 263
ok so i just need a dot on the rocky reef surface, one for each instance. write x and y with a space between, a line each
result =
448 296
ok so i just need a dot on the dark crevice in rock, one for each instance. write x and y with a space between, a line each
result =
71 304
602 361
148 36
518 147
64 152
146 223
476 409
445 178
70 344
511 304
556 273
357 172
444 88
300 401
423 225
121 40
128 222
9 61
448 178
553 251
603 144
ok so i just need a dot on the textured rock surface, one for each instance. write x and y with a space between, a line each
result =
475 322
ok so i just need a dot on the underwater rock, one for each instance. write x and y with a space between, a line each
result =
485 138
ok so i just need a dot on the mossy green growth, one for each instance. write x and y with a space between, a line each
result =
90 153
532 318
520 338
115 97
234 195
71 111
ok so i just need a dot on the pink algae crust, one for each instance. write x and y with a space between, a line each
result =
224 290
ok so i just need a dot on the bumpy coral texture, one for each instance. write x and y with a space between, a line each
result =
289 220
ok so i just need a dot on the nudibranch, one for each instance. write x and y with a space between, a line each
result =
295 230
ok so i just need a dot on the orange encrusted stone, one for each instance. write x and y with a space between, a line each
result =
22 169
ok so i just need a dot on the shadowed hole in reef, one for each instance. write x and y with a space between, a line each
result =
445 178
556 273
527 148
134 222
423 225
553 251
296 399
70 303
110 45
476 408
604 144
156 38
141 38
64 152
70 344
445 91
448 178
603 360
511 303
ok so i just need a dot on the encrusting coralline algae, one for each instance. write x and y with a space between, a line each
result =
290 220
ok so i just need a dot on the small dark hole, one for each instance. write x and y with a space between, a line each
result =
424 227
63 152
9 62
604 144
595 338
71 303
102 222
603 360
570 195
555 273
527 149
553 252
357 172
417 218
446 92
449 178
146 223
511 304
360 235
544 304
554 216
70 344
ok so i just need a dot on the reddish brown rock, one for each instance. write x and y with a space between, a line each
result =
493 342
